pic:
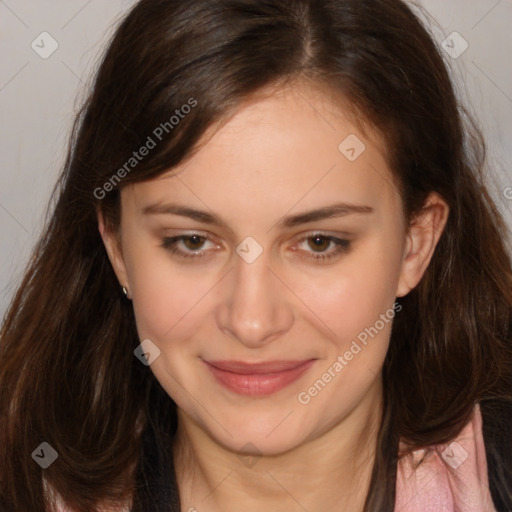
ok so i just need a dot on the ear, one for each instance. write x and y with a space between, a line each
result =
112 242
424 232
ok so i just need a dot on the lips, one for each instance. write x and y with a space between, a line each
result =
257 379
241 367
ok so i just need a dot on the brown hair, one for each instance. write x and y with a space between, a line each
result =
69 325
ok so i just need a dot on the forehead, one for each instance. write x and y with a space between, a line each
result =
293 147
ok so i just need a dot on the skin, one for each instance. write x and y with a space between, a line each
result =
277 156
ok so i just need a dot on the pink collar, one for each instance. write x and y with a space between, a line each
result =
449 477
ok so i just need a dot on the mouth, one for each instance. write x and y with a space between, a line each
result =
257 379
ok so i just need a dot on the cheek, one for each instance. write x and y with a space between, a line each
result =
162 294
352 296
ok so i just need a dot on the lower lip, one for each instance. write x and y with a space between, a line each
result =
258 385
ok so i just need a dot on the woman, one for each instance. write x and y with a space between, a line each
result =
273 277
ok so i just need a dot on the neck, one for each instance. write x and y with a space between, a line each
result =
329 471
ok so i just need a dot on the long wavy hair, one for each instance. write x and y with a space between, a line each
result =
68 375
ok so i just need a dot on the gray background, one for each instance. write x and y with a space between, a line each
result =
39 98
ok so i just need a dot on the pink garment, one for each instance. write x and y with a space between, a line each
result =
451 478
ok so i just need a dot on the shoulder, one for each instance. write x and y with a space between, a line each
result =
447 477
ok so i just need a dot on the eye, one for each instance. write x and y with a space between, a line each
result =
319 242
193 244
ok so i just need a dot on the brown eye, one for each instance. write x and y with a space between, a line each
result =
191 245
319 242
318 246
192 242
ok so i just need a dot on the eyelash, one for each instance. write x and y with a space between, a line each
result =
342 246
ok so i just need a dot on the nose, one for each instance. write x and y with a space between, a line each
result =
255 308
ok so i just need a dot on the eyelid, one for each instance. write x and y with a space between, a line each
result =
178 234
327 234
183 235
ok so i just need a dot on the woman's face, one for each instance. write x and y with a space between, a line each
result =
267 284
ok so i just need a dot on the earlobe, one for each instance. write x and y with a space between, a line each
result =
424 233
112 244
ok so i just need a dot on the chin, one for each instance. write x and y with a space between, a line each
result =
269 436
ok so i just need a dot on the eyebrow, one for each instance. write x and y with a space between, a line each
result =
326 212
